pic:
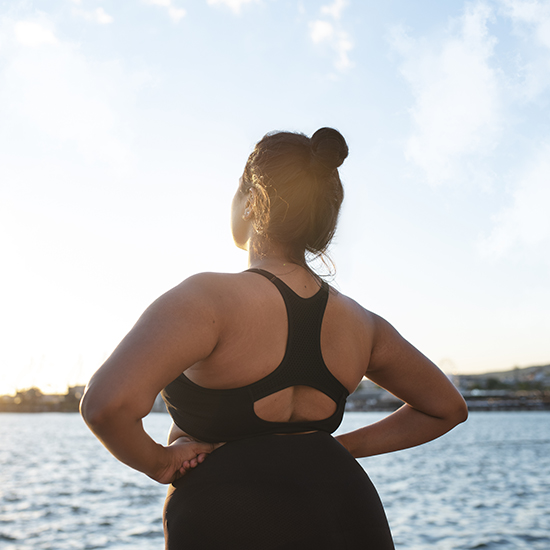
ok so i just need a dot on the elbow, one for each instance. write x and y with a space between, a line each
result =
89 410
453 412
95 411
459 413
465 413
101 408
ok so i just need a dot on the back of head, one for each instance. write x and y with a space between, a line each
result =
298 189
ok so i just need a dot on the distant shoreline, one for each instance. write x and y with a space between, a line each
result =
472 407
518 389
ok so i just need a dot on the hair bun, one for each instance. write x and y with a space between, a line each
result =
329 148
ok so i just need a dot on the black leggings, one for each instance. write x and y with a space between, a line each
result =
294 492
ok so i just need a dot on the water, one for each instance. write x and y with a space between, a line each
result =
486 485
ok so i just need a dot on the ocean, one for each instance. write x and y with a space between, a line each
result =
485 485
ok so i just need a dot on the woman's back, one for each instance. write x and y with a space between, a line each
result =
253 339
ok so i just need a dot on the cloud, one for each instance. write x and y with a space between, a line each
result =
532 12
233 5
99 15
335 9
531 21
525 223
30 33
323 31
457 111
174 13
55 97
320 30
102 17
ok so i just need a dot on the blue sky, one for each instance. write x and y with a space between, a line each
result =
124 127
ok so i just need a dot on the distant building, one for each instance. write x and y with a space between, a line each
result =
33 400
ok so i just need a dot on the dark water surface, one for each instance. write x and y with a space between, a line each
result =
486 485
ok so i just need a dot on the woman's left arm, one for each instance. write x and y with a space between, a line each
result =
432 405
175 332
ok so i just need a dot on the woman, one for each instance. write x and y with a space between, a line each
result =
255 368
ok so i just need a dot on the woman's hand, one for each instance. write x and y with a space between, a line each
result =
183 455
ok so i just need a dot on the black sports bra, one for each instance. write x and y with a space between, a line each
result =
215 415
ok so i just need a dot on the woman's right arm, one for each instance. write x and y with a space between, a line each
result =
433 406
178 330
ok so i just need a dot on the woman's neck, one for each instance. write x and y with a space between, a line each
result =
273 259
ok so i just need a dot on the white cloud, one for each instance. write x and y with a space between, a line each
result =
343 46
526 222
173 12
176 13
335 9
30 33
102 17
233 5
457 111
99 15
531 12
56 96
531 21
322 31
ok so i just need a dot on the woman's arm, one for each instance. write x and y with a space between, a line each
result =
433 406
175 332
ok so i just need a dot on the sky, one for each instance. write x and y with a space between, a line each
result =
125 126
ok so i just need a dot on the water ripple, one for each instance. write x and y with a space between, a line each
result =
483 486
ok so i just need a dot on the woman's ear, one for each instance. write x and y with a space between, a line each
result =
250 204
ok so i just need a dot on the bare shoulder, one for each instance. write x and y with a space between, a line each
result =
206 296
207 288
382 330
202 283
349 307
349 332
